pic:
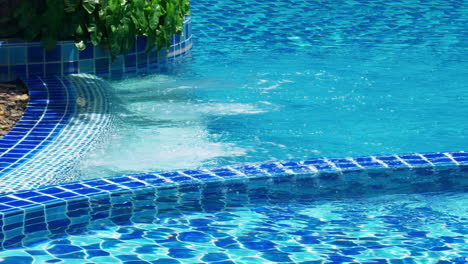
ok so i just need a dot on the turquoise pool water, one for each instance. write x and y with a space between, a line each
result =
281 79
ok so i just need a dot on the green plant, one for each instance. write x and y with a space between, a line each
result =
113 24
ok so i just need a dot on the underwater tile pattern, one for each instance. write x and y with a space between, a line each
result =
26 60
241 228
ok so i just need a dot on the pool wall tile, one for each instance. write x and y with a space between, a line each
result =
16 58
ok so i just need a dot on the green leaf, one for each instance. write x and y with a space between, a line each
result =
110 23
154 16
80 44
49 41
90 5
71 5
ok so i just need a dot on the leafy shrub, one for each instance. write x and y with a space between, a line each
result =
113 24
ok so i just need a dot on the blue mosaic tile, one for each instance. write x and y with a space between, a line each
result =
99 52
272 168
133 184
120 179
42 199
391 161
410 157
110 187
36 54
346 166
5 208
249 170
371 164
140 44
323 167
20 203
96 183
459 154
130 60
54 54
87 53
142 60
224 173
4 57
430 156
27 194
86 66
70 52
441 161
70 67
87 191
416 162
18 71
5 199
73 186
53 68
102 65
18 55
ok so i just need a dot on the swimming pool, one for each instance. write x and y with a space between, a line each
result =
296 80
274 80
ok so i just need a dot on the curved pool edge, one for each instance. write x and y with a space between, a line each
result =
63 119
69 110
33 215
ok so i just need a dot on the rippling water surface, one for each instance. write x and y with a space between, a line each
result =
284 79
289 79
396 229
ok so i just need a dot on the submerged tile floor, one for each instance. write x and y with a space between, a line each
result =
260 225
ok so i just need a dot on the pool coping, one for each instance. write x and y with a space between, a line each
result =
22 200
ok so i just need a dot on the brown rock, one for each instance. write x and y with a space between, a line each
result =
22 97
13 102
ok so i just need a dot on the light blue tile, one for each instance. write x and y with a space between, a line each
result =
18 55
118 63
100 52
4 73
69 52
3 56
86 66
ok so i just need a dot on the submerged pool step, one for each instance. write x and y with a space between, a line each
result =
34 215
65 117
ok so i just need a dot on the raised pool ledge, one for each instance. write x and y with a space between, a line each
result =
26 60
33 215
